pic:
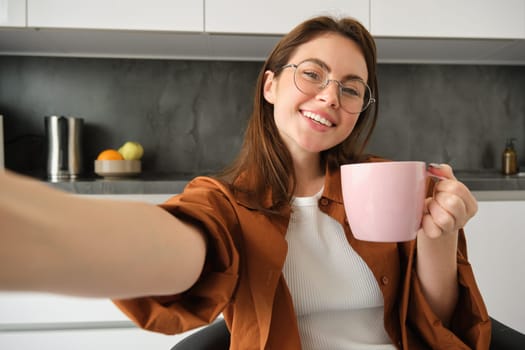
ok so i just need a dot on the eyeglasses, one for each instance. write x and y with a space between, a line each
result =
311 78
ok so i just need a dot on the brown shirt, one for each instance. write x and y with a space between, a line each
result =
243 279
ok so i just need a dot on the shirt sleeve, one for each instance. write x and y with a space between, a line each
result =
470 325
205 204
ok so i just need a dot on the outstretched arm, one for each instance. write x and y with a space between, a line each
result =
56 242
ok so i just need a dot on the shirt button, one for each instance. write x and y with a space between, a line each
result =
385 280
324 201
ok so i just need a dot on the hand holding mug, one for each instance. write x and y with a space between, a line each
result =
450 207
385 201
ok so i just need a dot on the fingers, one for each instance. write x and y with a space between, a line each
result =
428 226
456 198
451 206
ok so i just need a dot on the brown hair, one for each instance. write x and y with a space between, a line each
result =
264 163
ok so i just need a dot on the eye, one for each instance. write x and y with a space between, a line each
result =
353 88
312 75
311 72
351 92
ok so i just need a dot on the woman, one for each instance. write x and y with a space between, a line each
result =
266 243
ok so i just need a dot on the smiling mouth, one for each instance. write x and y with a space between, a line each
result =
317 118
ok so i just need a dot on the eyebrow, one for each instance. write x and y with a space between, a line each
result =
325 66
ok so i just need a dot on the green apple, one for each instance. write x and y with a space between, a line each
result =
131 150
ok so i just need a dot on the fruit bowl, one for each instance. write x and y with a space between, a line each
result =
114 169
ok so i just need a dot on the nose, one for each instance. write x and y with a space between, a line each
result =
330 94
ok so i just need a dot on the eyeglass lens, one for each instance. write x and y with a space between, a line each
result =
310 78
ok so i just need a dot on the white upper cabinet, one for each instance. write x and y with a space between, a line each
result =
471 19
12 13
154 15
276 16
406 31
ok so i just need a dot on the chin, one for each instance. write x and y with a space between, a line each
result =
316 148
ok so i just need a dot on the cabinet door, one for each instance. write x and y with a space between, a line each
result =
275 16
495 242
88 339
47 309
448 18
170 15
12 13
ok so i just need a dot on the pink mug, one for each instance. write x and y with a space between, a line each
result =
384 201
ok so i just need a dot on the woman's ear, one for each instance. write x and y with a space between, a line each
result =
269 87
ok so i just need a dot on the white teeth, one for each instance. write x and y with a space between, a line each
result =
317 118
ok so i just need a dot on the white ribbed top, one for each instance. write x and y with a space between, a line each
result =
336 297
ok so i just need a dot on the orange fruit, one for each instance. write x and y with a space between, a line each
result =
110 154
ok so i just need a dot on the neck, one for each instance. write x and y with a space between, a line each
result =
309 176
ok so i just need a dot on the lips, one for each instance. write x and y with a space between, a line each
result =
317 118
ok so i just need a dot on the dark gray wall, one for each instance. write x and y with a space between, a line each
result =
190 115
460 115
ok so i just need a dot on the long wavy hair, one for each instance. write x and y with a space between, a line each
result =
264 163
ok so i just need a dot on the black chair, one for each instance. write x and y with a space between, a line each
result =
504 337
213 337
217 337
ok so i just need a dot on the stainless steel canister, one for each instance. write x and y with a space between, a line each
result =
2 142
64 147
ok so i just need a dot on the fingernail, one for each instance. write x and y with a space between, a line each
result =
434 165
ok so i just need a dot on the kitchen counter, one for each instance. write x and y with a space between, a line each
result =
491 181
493 186
486 185
123 186
145 183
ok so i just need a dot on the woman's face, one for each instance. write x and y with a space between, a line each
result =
316 122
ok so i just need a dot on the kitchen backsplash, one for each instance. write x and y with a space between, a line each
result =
190 115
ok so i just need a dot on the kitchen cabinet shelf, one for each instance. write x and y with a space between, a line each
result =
467 33
275 16
466 19
156 15
13 13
